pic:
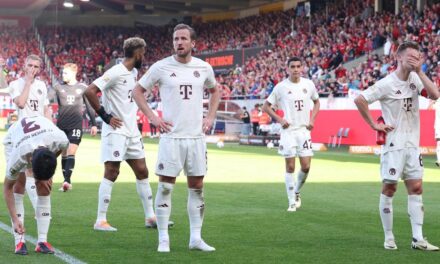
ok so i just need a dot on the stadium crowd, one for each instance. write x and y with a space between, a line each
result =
16 43
325 41
338 39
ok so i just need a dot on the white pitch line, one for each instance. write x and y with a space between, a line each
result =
58 253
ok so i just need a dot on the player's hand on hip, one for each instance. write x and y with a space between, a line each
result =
115 122
383 127
207 124
284 124
93 131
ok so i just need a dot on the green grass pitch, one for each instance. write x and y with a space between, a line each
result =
246 218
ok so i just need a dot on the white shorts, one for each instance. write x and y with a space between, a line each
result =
405 163
295 143
117 147
176 154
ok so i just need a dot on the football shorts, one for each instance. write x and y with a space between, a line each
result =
117 147
295 143
406 164
176 154
74 135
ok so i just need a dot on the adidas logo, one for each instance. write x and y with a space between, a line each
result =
173 75
391 144
163 205
398 92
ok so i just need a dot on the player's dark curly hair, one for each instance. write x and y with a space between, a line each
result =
131 45
44 164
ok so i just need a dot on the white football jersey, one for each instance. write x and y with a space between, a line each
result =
117 85
37 99
26 135
399 101
294 100
181 89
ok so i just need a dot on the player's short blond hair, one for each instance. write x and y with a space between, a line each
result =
34 58
71 66
192 32
132 44
408 45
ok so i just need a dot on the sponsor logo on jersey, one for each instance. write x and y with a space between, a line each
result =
124 82
290 92
392 171
173 75
160 166
70 99
196 74
116 153
412 86
63 91
398 92
386 210
305 90
40 92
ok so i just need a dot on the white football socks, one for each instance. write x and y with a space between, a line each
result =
300 180
290 186
196 209
386 215
43 217
105 192
415 212
31 190
163 208
19 209
146 195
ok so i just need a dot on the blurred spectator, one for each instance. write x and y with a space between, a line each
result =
245 117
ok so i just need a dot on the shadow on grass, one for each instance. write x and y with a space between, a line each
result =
246 222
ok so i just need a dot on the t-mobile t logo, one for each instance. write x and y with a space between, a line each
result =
186 91
299 105
33 104
407 104
70 99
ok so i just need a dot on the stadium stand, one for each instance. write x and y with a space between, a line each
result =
326 43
